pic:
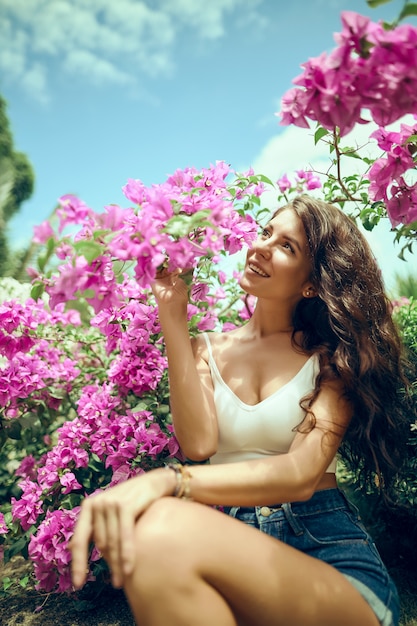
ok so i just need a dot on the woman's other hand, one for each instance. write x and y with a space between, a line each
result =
108 519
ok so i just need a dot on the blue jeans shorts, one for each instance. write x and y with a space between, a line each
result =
328 527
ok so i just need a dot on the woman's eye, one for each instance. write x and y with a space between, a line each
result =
287 245
264 232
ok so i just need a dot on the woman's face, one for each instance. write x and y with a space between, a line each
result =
278 265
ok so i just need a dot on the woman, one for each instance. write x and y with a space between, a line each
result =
269 403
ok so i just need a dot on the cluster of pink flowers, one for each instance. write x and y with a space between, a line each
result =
387 174
371 69
18 323
33 365
305 180
191 215
49 552
126 442
139 364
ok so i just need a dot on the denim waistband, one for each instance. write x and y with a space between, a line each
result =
321 501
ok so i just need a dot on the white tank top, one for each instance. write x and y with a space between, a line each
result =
252 431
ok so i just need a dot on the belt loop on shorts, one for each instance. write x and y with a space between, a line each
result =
291 519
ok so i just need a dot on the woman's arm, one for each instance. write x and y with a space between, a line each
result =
289 477
191 390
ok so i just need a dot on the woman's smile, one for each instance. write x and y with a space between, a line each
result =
258 270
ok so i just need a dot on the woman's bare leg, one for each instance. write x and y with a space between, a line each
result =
198 567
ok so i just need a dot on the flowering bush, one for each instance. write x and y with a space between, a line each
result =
372 69
83 379
370 76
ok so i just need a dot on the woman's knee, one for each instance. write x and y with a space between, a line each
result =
162 530
163 557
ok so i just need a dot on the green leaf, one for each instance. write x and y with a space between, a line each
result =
37 290
368 224
376 3
90 250
42 258
75 499
23 582
265 179
98 234
351 152
408 10
319 134
18 547
50 246
14 431
89 293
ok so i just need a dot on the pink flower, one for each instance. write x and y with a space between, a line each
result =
29 507
228 326
308 179
3 527
26 468
294 109
71 211
199 291
69 482
284 183
222 277
355 30
402 205
43 232
400 302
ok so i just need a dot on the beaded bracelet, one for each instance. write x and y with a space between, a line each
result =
183 477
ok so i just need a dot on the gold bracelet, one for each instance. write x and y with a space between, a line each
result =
183 477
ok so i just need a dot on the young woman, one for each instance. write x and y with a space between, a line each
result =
316 370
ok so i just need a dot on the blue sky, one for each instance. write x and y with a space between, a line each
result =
100 91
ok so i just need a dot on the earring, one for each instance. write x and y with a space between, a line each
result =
307 293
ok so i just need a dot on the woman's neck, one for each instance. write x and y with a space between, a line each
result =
264 322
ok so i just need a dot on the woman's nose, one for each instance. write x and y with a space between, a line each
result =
262 246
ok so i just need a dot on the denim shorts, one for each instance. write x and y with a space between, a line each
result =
328 527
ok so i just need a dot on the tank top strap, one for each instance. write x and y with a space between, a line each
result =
208 344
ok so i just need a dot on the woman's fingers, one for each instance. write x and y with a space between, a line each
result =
79 546
112 550
108 520
101 521
127 527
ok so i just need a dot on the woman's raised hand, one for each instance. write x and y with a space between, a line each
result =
108 519
170 288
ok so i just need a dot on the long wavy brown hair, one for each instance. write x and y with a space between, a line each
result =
349 325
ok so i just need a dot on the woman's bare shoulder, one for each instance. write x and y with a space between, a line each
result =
216 339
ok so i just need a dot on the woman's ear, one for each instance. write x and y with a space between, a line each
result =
309 292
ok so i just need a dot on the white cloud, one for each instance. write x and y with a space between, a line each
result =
209 19
117 41
290 150
34 80
85 63
14 49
